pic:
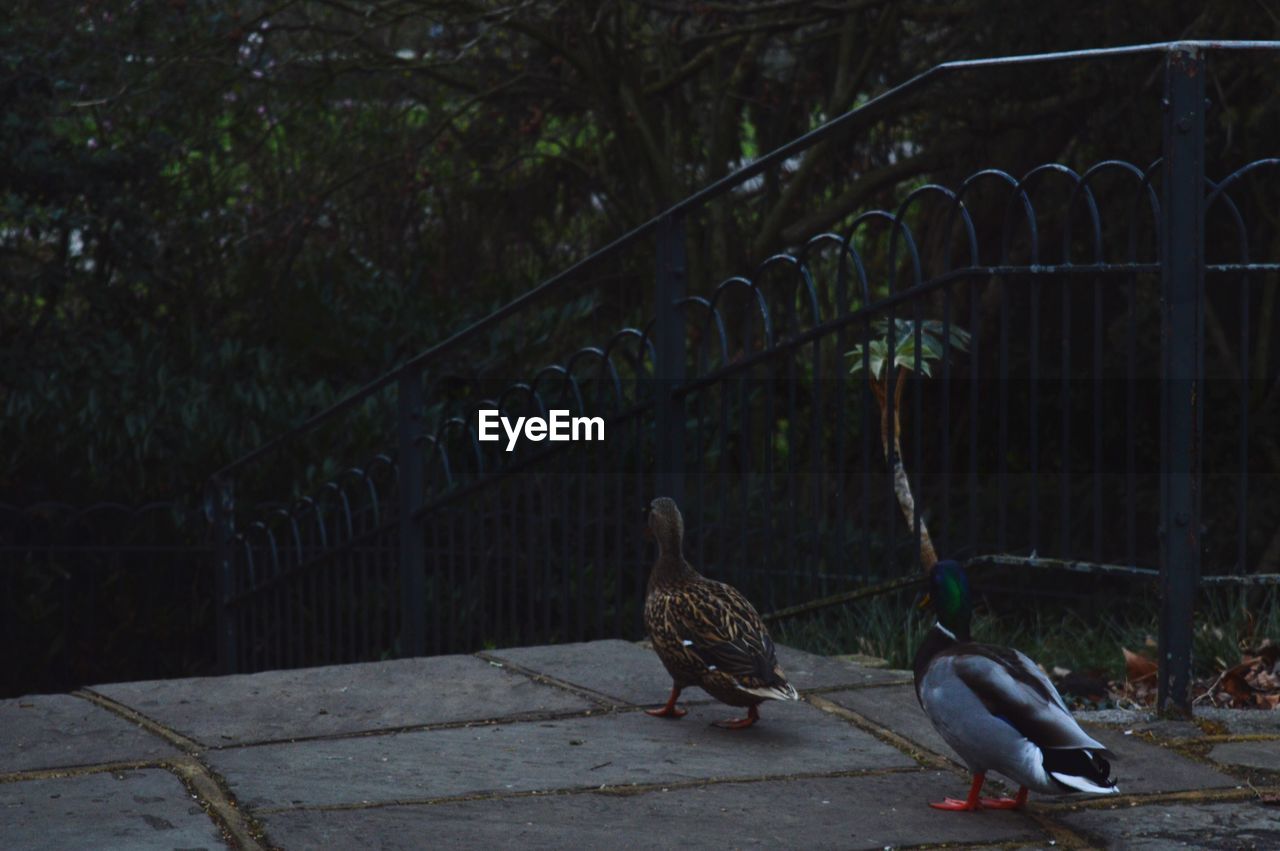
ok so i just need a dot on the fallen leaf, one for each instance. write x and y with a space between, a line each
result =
1138 667
1233 683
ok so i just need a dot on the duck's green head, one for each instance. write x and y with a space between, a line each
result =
949 593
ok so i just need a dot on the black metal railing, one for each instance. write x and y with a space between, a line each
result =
1082 422
101 593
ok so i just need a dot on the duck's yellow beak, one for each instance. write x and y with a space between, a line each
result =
924 601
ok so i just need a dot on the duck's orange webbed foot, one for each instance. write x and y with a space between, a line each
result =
969 804
753 715
670 710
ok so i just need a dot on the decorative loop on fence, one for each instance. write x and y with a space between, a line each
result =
1142 189
1218 192
712 316
295 533
999 176
310 506
1036 177
332 487
607 371
766 320
848 255
802 282
955 208
896 227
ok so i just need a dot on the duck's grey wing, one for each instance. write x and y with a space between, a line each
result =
1014 690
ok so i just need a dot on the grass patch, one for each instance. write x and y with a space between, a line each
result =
1078 634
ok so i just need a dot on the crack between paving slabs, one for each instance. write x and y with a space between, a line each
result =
616 790
524 718
603 700
854 687
1222 739
1020 844
919 753
1189 796
238 827
65 771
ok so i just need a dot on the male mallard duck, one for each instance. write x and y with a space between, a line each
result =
705 632
997 710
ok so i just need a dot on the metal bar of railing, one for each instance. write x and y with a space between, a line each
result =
1182 288
219 507
669 357
1002 391
1064 397
413 624
1033 415
1098 383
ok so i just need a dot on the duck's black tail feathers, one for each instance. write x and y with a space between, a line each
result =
1080 770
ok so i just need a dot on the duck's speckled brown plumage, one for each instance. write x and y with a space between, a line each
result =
705 632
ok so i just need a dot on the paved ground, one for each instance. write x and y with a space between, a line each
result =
543 747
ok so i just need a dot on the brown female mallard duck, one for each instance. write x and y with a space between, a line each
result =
705 632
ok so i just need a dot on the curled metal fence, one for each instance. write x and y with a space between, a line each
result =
1058 400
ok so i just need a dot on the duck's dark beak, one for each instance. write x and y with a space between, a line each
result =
648 533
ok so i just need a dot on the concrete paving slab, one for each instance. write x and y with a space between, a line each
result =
1157 827
1167 729
1140 722
1126 718
1234 721
846 812
58 731
810 671
623 671
896 707
278 705
1243 720
1264 755
614 748
130 811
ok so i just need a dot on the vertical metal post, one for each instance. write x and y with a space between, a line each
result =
220 512
1182 347
669 357
413 615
